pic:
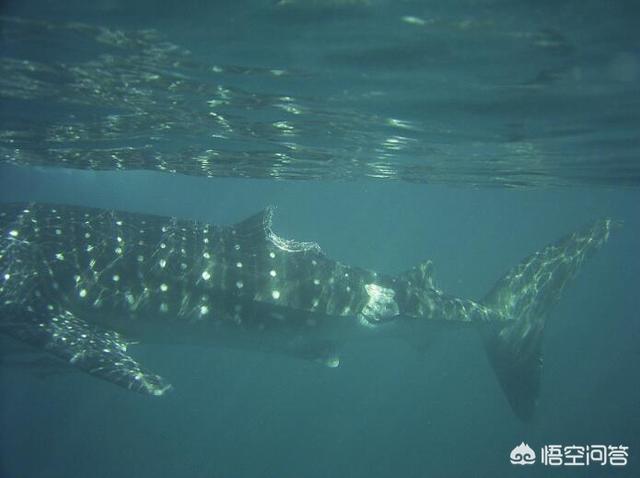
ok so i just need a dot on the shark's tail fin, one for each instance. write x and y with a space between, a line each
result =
523 299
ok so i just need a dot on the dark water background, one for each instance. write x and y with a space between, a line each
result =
388 410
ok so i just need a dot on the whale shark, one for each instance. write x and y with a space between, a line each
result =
84 285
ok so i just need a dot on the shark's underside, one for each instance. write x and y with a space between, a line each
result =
84 283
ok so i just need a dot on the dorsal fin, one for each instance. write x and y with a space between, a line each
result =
258 227
420 276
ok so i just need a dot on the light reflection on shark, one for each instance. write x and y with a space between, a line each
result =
83 283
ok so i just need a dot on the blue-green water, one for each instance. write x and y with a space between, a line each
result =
389 410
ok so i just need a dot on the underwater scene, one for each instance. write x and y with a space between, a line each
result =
319 238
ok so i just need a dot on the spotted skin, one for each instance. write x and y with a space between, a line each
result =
76 281
134 264
84 283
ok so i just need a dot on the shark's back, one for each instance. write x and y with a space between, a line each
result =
136 263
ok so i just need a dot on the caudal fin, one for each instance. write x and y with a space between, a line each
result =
523 299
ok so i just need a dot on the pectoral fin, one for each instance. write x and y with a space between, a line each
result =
321 351
101 353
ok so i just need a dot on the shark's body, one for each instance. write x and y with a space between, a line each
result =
83 283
